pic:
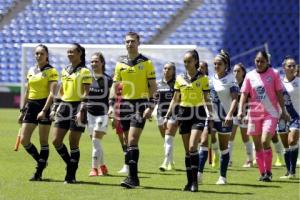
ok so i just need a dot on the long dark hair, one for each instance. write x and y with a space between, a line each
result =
225 57
195 55
172 64
45 48
81 49
101 58
243 69
264 54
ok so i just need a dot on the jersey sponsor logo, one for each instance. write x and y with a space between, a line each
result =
261 93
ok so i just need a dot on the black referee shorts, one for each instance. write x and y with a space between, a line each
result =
131 113
65 116
191 118
33 107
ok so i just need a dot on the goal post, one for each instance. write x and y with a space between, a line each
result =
159 54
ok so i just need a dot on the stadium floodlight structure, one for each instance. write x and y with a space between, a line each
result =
159 54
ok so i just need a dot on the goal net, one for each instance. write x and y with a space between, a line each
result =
159 54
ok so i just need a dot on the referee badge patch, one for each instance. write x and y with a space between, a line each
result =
141 67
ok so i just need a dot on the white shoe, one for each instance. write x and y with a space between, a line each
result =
124 170
221 181
298 162
200 178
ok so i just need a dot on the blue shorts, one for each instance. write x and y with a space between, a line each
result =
294 124
220 128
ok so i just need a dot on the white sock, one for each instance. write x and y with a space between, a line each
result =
249 150
95 152
169 148
230 147
278 148
215 147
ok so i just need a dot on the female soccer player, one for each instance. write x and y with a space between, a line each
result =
225 99
263 88
71 109
165 92
192 94
203 150
239 72
290 137
42 81
97 112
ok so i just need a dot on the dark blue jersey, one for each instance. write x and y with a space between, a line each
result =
165 92
99 94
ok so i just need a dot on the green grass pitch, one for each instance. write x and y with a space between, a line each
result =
17 167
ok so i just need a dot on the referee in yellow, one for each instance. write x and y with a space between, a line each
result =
71 109
42 81
192 95
137 75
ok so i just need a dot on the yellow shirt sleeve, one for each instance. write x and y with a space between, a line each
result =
86 76
150 70
205 83
117 75
52 75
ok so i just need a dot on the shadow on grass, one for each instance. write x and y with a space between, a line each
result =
159 173
297 181
200 191
254 185
80 182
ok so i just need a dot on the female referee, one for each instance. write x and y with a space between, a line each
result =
264 89
165 92
97 112
42 81
70 110
192 94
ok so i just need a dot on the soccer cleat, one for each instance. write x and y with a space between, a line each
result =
279 161
215 160
187 187
194 187
130 182
200 178
93 172
102 171
286 176
261 177
163 167
248 164
267 177
292 176
221 181
170 166
124 170
36 177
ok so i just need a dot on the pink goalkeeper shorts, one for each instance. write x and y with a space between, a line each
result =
259 125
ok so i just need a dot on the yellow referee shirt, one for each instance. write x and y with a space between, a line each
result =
191 90
72 80
38 81
134 76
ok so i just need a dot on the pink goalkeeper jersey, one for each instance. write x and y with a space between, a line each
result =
262 88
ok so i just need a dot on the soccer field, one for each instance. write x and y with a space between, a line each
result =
17 167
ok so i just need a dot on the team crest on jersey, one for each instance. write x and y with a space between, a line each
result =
224 81
197 84
141 67
269 79
295 84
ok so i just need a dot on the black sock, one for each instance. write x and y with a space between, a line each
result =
75 156
188 169
31 149
44 153
202 159
194 157
125 151
287 159
133 157
293 160
64 154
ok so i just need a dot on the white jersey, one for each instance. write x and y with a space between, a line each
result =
292 95
221 94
